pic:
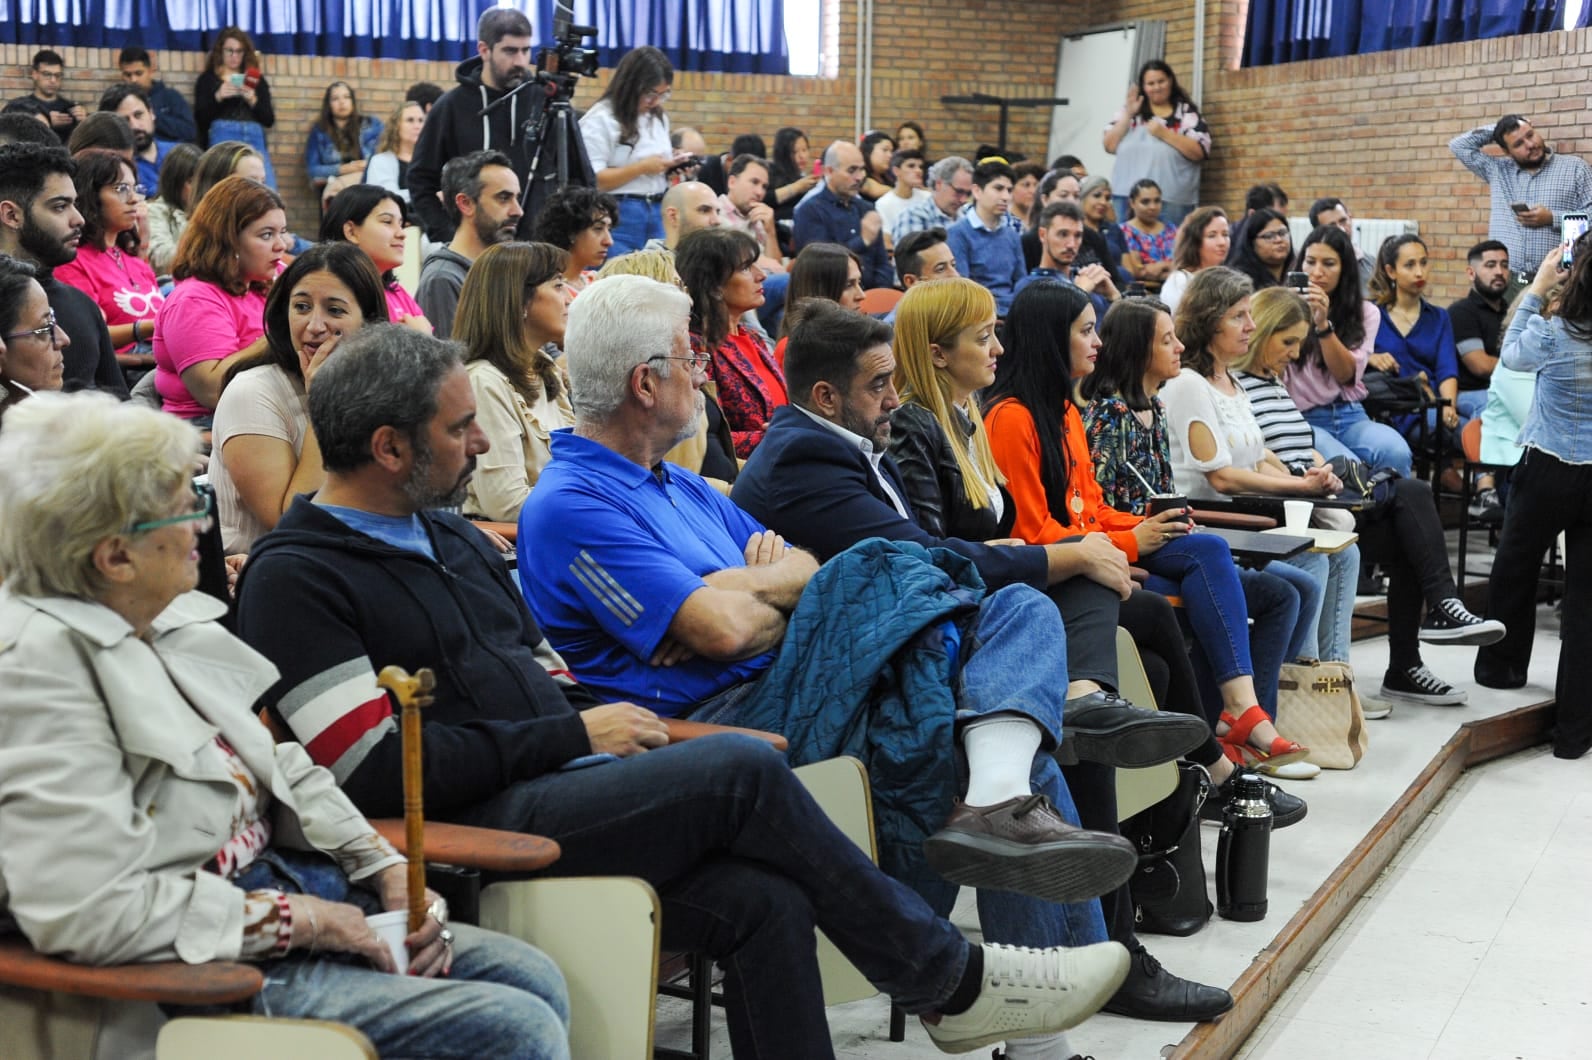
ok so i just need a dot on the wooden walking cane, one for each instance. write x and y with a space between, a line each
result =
412 693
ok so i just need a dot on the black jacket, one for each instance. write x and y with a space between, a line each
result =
816 489
328 604
207 110
91 359
935 491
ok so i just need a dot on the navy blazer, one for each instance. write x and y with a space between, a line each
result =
817 490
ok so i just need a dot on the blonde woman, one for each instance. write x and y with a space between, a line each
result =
389 166
510 320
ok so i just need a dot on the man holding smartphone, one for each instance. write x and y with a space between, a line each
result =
1533 186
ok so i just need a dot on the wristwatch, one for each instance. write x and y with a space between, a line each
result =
1324 330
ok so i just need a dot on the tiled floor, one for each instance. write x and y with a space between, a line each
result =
1431 964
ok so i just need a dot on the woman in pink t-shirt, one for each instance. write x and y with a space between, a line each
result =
229 255
373 219
107 267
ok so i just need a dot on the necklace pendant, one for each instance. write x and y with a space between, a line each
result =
1077 503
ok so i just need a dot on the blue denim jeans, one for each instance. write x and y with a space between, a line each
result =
504 998
1343 428
639 221
1311 590
746 865
1272 604
1338 575
249 132
1199 568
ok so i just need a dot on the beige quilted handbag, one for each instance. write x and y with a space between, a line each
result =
1318 707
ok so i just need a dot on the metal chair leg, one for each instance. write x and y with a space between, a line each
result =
898 1023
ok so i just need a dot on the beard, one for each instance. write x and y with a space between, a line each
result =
422 493
489 231
41 246
142 141
688 430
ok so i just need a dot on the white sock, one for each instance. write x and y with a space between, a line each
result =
1044 1047
1000 757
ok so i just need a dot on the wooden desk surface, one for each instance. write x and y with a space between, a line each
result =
1327 541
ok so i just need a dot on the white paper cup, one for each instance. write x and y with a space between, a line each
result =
1296 515
393 928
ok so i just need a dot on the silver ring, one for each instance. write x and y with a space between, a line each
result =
447 937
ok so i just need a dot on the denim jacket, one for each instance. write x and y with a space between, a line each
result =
321 157
1560 421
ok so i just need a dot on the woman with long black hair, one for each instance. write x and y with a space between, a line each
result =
627 138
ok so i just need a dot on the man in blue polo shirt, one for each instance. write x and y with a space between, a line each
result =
988 249
837 214
149 153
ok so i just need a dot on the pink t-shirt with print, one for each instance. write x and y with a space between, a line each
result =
123 286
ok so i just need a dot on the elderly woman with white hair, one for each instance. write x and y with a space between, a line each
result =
120 696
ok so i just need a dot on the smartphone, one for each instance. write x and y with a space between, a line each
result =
1299 281
1573 228
1519 207
688 162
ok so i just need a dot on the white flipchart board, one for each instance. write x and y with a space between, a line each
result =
1093 71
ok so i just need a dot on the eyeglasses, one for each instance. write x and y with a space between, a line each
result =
699 361
131 192
658 97
1275 236
204 508
46 333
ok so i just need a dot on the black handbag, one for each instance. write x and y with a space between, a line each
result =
1388 394
1170 896
1363 483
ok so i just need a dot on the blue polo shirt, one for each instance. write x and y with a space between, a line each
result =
992 257
608 553
823 218
149 172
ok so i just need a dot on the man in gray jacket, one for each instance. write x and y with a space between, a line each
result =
482 196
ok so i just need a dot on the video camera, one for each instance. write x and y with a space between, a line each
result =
569 57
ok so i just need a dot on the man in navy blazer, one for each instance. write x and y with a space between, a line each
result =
822 478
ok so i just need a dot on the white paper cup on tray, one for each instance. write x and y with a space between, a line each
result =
1296 516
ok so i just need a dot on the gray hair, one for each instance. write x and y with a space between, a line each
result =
383 375
617 323
945 170
76 469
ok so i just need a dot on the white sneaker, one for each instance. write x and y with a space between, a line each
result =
1027 992
1374 709
1300 770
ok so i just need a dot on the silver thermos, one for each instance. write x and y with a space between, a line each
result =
1243 851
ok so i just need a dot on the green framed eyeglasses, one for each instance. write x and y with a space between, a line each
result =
204 509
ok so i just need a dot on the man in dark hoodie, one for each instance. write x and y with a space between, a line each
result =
455 126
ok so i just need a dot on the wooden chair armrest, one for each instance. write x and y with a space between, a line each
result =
1233 520
681 729
487 849
171 982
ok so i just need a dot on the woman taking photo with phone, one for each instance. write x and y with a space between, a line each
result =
1550 492
627 137
1327 381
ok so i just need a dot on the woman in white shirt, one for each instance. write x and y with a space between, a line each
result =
1202 241
1218 448
627 138
511 316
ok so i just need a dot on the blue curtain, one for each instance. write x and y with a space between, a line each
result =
743 36
1283 31
727 36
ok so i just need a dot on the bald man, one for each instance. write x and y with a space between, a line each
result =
836 213
686 207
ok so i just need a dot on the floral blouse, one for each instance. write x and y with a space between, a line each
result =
1150 248
1116 440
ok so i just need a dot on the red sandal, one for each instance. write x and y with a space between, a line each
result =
1236 745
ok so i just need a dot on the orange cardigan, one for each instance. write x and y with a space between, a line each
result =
1014 441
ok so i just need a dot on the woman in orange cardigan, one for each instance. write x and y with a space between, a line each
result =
1037 437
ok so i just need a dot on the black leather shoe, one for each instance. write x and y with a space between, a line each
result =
1150 992
1105 728
1286 809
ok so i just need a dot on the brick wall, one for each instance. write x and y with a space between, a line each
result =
922 49
1372 128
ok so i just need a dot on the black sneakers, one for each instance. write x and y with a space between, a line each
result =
1450 623
1420 685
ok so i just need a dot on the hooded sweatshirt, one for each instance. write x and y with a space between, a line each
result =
456 127
330 606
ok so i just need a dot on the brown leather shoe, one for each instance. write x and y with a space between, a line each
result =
1024 845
